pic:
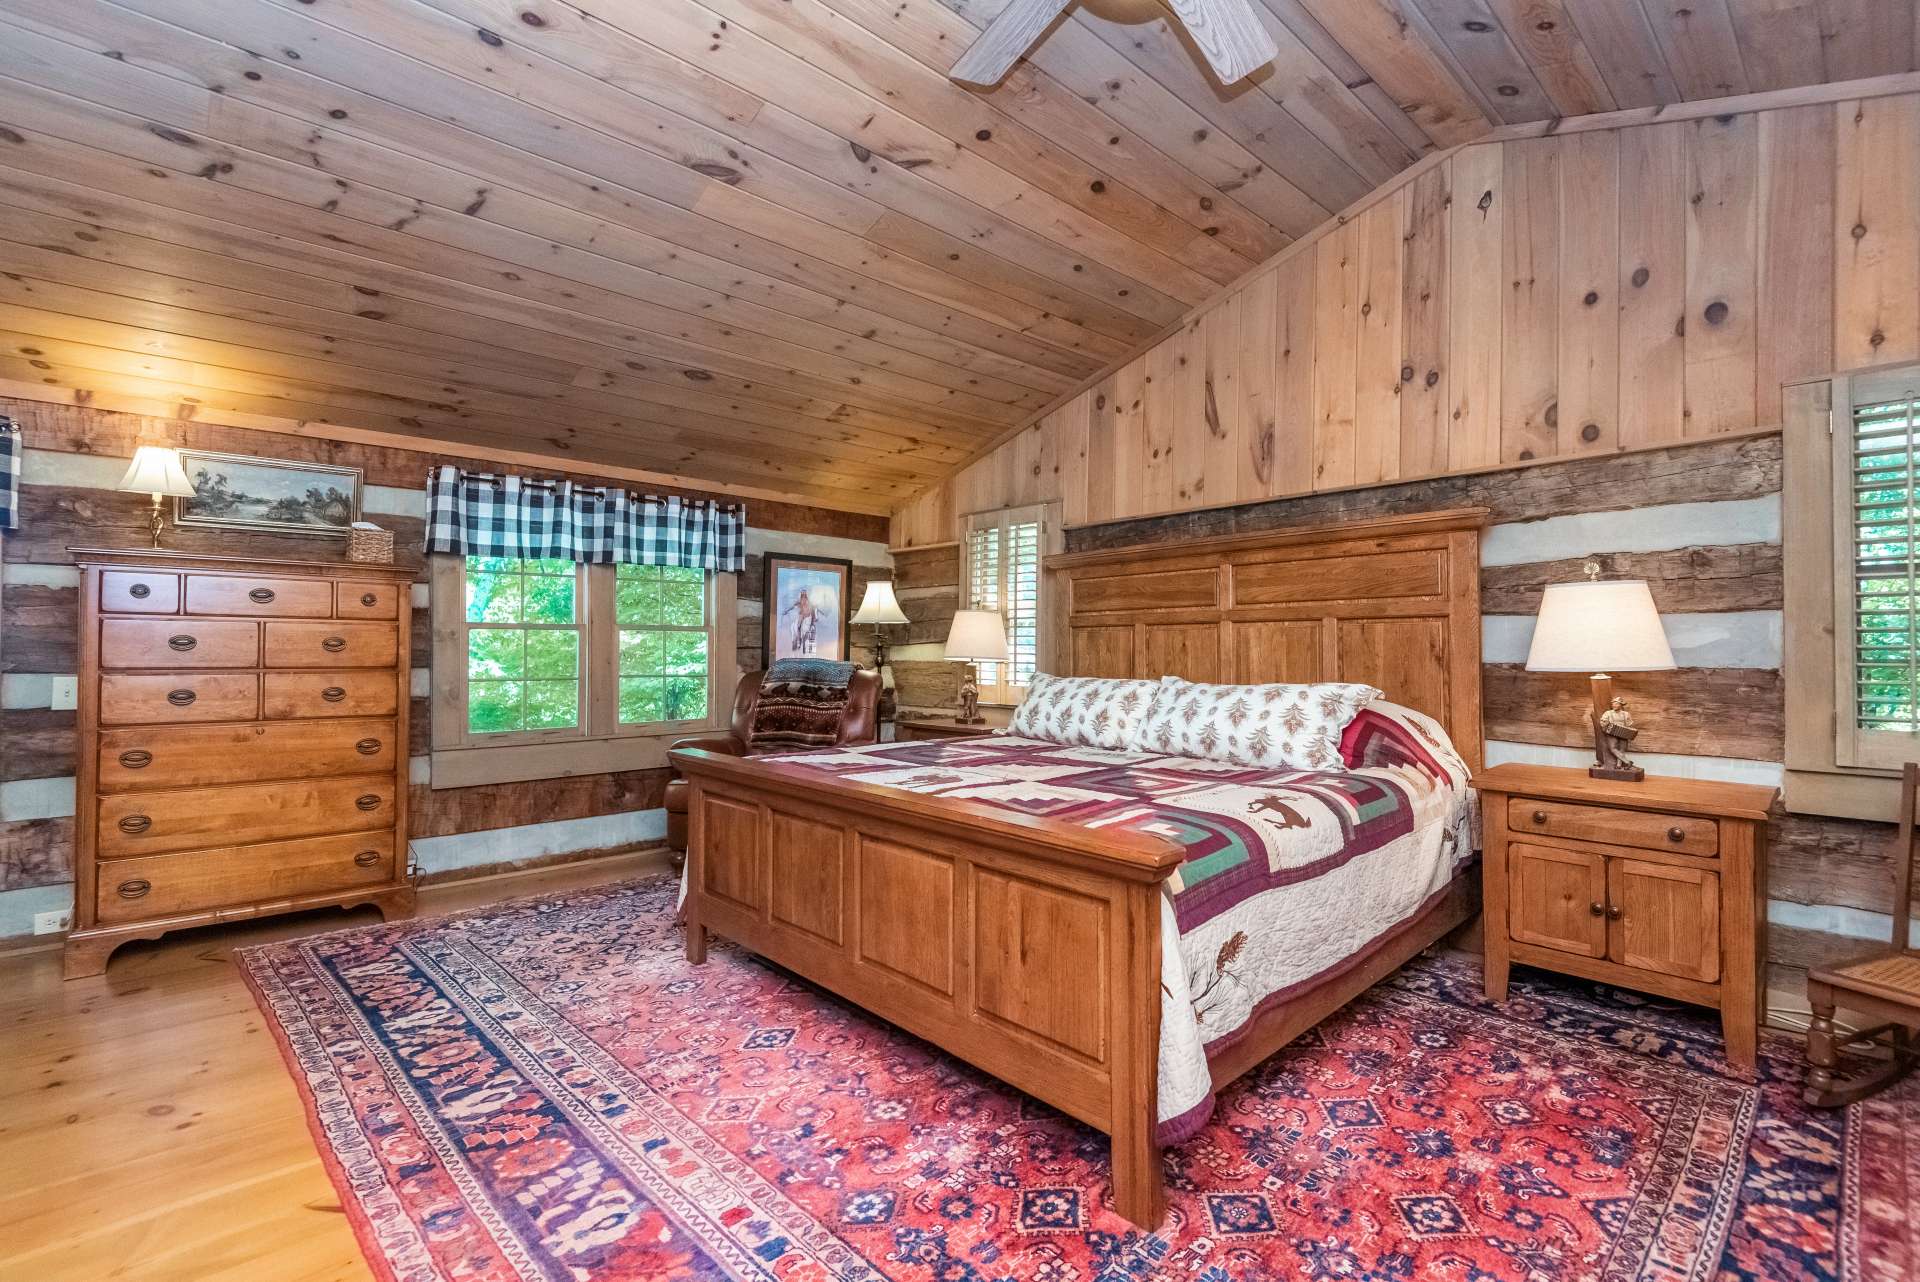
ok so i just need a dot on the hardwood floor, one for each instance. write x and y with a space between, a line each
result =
148 1128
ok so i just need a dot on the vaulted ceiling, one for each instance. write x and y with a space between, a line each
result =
759 243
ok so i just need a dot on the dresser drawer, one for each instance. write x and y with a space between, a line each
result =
331 645
329 694
163 885
178 643
130 699
141 823
268 598
1682 834
139 592
367 600
194 756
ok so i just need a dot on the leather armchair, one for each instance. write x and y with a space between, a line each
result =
861 724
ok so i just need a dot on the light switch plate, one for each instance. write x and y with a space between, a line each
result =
64 693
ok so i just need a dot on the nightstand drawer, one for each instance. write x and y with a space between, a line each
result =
1682 834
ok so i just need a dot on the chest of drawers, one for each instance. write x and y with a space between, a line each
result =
243 743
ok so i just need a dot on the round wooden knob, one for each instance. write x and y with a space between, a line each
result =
367 858
1676 833
367 747
139 591
1613 912
182 642
1539 816
262 595
333 694
135 823
334 645
368 599
181 698
135 888
1595 908
136 759
368 801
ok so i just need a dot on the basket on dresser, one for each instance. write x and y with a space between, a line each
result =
242 743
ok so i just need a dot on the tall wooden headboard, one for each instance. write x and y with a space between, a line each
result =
1394 603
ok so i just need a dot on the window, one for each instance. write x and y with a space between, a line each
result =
1875 580
562 663
1001 571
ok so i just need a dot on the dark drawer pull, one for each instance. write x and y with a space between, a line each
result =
135 823
1539 816
334 645
367 858
135 888
139 591
1596 909
333 694
1676 833
367 747
136 759
369 801
180 698
262 595
368 599
182 642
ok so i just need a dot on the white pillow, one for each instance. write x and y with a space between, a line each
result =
1084 712
1285 726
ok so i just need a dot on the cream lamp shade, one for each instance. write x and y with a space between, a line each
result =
156 470
879 605
977 635
1599 626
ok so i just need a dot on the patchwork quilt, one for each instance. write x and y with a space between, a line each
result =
1288 876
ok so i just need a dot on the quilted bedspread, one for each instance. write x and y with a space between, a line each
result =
1288 875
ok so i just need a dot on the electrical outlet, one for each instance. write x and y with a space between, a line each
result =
52 923
64 693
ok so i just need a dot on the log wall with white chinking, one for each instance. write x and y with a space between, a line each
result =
76 455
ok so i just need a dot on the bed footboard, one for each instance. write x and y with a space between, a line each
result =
1028 948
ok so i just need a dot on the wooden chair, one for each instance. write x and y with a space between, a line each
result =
1884 986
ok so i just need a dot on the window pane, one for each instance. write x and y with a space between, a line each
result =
642 654
553 705
493 598
683 574
549 565
686 698
686 653
638 600
643 699
494 652
550 598
683 604
494 706
492 565
553 653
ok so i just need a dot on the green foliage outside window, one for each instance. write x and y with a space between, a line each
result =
660 612
523 645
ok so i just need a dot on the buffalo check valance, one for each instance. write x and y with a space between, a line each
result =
484 514
11 448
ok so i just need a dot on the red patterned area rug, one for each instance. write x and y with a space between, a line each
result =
545 1090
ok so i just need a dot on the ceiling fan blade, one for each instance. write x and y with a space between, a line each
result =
1227 34
993 54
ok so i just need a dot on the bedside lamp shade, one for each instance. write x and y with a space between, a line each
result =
977 635
879 605
1599 626
156 470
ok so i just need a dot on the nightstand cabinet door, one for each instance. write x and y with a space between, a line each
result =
1557 898
1668 918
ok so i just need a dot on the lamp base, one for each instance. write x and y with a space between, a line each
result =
1620 774
1613 730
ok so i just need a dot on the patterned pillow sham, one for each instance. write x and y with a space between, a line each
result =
1285 726
1084 712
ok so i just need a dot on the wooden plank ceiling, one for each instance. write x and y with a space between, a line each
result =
759 243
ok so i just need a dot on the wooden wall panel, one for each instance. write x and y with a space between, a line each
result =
1530 243
1588 361
1652 284
1723 159
1876 232
1475 232
1423 327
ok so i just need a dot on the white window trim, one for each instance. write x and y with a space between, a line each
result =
1047 517
601 745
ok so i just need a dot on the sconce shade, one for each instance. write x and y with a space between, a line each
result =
1602 625
977 635
879 605
156 470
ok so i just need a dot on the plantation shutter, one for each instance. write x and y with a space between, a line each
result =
1877 588
1002 555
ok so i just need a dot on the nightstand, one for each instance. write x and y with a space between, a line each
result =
1658 886
938 728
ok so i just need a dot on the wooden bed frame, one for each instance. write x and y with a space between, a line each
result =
1029 947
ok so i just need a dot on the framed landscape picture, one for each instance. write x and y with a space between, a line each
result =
286 497
805 607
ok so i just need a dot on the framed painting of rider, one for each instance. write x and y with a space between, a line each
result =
804 604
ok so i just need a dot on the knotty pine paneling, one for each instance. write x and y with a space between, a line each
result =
1598 292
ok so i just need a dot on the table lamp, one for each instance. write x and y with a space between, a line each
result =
1601 627
882 609
156 470
976 636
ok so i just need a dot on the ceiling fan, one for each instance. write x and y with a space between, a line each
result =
1226 32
